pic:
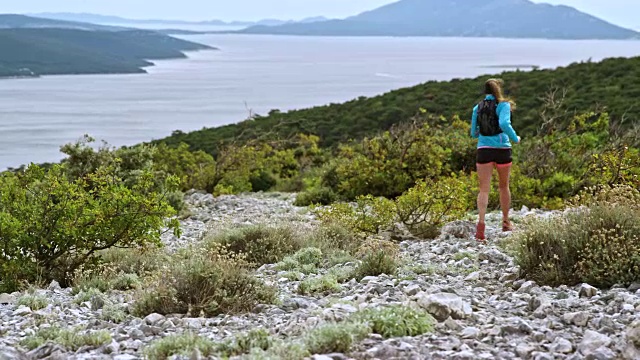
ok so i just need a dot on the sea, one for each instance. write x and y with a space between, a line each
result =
249 75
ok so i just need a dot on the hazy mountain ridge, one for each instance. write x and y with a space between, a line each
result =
109 19
464 18
16 21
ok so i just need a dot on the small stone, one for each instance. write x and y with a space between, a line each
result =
634 287
591 341
368 279
111 348
628 308
523 350
542 356
21 311
561 345
321 357
192 323
470 333
587 291
452 324
527 287
508 277
602 353
473 276
337 356
412 290
7 299
576 318
124 357
54 286
443 305
153 319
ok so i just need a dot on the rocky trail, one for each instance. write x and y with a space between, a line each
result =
483 310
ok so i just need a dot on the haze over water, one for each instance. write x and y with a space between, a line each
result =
259 73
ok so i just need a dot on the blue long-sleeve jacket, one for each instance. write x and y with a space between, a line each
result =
500 140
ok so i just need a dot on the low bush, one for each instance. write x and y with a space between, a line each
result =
316 196
202 281
34 302
597 243
332 237
183 344
427 206
335 338
319 285
70 339
245 343
397 321
369 215
258 244
376 263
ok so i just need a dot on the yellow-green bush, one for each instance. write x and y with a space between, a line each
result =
203 280
368 215
597 243
397 321
426 207
258 244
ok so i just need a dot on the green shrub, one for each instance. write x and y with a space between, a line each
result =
426 207
335 338
53 226
207 280
280 350
70 339
369 215
34 302
333 237
262 181
309 256
316 196
306 261
375 264
324 285
183 344
243 344
87 295
133 261
113 313
594 244
397 321
259 244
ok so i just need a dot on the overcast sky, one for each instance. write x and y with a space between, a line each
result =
622 12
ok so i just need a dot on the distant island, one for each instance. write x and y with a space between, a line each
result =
461 18
31 47
109 19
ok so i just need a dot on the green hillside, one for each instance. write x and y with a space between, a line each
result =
588 86
54 51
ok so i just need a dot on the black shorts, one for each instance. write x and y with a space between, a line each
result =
493 155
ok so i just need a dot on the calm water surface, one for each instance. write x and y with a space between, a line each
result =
251 73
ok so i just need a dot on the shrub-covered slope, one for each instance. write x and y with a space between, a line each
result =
588 85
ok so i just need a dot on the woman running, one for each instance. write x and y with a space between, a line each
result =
491 125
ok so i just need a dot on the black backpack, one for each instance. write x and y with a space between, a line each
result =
488 118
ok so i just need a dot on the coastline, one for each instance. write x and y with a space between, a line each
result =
140 70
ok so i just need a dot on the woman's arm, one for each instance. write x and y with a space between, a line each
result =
475 133
504 115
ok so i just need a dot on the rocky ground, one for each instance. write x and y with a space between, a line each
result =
483 310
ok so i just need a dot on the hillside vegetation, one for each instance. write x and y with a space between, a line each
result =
586 86
55 51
